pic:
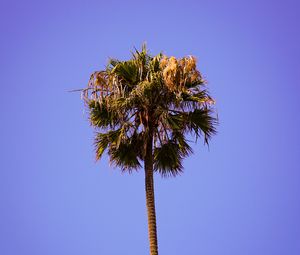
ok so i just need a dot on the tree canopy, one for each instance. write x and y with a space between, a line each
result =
158 96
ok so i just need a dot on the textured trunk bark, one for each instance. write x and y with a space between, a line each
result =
149 186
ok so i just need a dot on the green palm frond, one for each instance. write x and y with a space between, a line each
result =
201 122
176 121
127 71
154 64
168 159
102 116
113 62
184 148
124 156
103 140
196 95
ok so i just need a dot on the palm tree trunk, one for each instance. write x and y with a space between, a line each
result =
149 186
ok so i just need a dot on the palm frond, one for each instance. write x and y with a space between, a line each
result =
168 159
201 122
184 148
125 155
102 116
103 140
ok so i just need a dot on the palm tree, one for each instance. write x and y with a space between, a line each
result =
143 109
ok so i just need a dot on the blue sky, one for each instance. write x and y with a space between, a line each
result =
239 197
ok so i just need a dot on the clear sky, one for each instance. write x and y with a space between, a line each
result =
240 197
